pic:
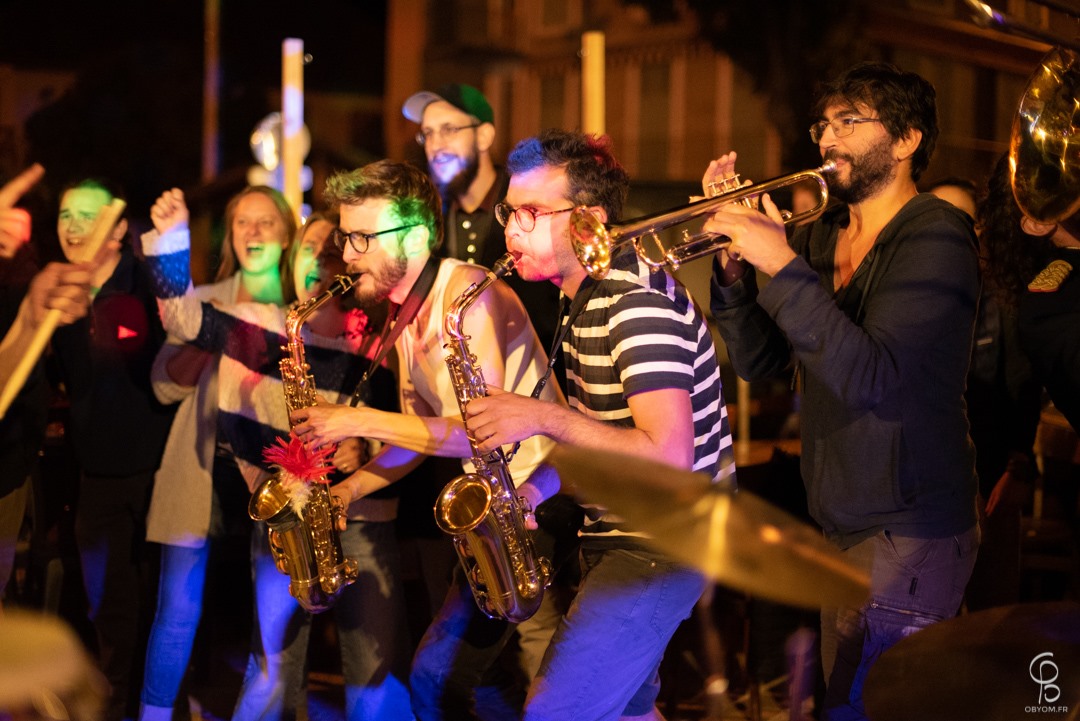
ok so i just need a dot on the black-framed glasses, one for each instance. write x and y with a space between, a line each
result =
445 132
361 242
525 216
841 127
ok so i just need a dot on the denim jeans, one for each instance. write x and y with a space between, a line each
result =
373 634
604 659
454 674
457 672
914 582
180 593
110 531
179 607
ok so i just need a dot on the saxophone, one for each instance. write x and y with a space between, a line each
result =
482 510
304 543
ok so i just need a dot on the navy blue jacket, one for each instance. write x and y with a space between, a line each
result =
883 363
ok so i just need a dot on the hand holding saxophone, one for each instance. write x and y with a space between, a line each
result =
501 418
326 423
351 453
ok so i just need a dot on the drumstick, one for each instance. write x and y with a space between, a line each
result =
106 221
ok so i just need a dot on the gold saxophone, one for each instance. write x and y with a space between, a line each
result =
482 510
305 545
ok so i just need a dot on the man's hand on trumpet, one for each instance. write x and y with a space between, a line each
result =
757 238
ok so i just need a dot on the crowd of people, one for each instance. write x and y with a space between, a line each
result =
876 310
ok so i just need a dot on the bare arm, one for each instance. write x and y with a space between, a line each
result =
431 435
489 323
663 425
388 466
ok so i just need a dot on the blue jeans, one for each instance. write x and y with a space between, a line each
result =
373 634
180 591
110 531
604 659
914 582
454 673
179 607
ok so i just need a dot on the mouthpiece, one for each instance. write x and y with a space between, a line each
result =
342 284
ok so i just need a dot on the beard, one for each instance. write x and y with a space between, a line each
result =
383 277
459 184
870 172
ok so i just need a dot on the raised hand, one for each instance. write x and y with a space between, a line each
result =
15 222
17 186
170 212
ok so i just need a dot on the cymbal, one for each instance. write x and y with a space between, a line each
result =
1000 664
736 539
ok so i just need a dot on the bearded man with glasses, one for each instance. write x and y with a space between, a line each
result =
872 307
391 224
457 132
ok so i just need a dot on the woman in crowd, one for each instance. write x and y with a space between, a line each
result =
252 417
197 495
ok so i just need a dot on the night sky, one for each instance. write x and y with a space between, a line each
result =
135 113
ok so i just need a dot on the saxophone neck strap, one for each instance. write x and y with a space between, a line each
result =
397 320
568 315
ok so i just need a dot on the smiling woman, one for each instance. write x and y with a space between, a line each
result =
258 227
312 256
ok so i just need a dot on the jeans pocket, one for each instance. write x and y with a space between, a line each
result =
885 626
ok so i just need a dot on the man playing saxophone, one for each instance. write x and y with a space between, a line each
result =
644 382
391 222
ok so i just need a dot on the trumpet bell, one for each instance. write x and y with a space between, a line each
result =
591 242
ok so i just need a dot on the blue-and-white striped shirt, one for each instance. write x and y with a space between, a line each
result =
641 331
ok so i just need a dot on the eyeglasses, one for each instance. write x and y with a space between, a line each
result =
445 132
841 127
525 216
361 242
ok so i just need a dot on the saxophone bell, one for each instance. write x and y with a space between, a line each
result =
295 545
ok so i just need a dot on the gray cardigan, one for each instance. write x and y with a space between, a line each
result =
883 363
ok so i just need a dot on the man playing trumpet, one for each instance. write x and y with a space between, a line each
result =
873 305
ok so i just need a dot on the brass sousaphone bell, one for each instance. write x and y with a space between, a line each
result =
1044 147
1044 150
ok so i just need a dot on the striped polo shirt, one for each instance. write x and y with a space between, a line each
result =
641 331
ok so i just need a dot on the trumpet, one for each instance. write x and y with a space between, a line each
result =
593 241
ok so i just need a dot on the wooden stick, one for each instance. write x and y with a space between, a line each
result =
106 221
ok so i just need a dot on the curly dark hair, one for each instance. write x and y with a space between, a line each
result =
593 175
412 195
1011 258
903 100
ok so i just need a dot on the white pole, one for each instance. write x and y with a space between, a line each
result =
292 121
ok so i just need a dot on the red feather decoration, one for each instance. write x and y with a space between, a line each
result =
293 458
